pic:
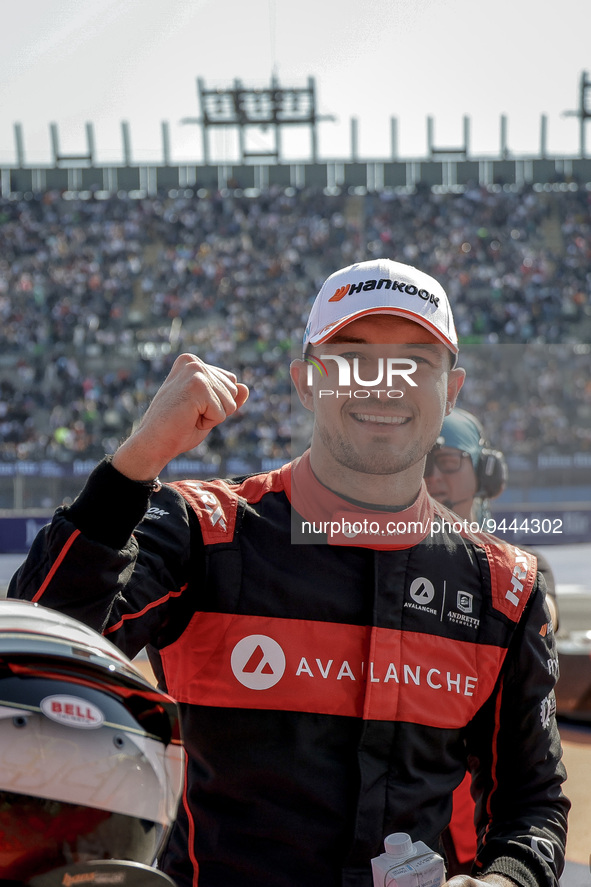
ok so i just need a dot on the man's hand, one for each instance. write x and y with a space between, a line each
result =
193 399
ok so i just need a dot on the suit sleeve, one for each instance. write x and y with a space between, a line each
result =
515 756
117 559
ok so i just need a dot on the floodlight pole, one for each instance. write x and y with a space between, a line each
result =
582 113
276 93
59 158
314 120
19 145
126 139
461 151
272 107
204 128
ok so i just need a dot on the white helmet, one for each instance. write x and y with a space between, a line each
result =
91 764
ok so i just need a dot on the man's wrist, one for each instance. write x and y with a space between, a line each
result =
136 462
92 511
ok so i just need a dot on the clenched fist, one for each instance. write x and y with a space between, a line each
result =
193 399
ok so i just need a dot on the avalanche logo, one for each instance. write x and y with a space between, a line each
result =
258 662
422 591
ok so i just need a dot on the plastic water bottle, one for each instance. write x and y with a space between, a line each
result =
407 864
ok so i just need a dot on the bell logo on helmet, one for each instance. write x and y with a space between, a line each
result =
258 662
72 712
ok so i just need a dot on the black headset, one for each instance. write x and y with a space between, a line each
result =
491 473
491 469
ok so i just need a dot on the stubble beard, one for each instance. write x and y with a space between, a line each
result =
382 460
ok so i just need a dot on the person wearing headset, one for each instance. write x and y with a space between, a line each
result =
463 472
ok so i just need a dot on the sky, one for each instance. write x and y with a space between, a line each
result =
108 61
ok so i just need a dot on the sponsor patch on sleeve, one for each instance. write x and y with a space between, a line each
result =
513 574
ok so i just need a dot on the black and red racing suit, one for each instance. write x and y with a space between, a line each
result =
331 693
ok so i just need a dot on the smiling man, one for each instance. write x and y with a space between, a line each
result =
335 691
376 444
375 304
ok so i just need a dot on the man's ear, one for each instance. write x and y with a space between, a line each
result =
455 380
299 374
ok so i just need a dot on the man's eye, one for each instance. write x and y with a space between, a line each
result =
351 355
421 359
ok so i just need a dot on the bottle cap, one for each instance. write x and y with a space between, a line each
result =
398 844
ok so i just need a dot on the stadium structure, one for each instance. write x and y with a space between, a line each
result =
108 271
274 109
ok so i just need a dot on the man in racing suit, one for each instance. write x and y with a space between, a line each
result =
341 654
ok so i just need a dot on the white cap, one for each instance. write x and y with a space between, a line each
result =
398 844
380 286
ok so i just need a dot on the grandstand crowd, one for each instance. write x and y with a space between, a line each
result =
98 296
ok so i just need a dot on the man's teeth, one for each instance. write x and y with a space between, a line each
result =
381 420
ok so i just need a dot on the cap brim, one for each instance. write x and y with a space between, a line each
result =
327 334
